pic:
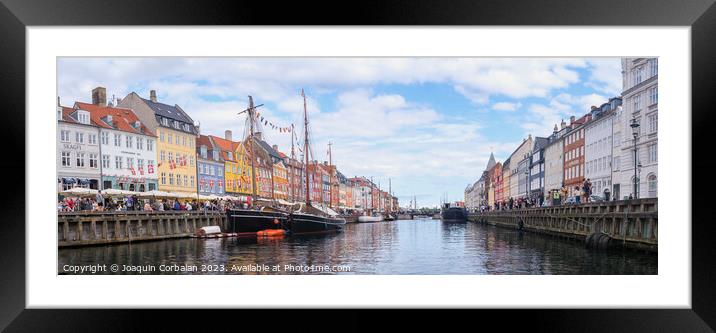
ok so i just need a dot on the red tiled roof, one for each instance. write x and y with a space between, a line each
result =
225 146
122 119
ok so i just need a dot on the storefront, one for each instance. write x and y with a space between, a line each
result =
137 184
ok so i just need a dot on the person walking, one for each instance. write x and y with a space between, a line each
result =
577 194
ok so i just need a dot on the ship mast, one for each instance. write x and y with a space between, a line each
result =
305 146
330 176
290 171
251 112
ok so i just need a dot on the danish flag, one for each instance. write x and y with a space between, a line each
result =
150 169
221 183
211 183
172 164
141 171
182 161
203 182
132 170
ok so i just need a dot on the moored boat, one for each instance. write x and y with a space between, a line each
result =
368 218
453 214
251 220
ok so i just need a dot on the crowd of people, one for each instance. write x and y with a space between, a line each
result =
567 195
133 203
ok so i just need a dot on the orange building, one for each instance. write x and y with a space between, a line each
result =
574 153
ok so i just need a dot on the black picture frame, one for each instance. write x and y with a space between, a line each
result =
16 15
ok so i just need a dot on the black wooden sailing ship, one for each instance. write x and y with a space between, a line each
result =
254 219
309 219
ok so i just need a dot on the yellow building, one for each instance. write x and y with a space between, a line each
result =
237 167
280 180
177 134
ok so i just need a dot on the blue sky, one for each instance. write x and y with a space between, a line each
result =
428 124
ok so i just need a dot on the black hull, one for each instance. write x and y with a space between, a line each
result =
454 214
310 224
246 220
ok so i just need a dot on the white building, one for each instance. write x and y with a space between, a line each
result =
640 96
554 160
619 130
519 163
78 150
127 147
598 134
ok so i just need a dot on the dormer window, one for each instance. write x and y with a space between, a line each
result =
203 151
186 127
83 117
176 124
215 155
231 156
108 120
137 124
165 121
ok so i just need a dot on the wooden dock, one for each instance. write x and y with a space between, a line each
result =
626 223
97 228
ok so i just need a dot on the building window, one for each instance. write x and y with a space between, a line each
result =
105 161
83 117
171 179
191 160
161 156
186 178
140 143
150 145
654 66
639 75
652 184
161 136
80 159
652 153
164 178
140 164
653 95
104 136
653 123
117 140
169 138
191 142
178 180
171 157
65 136
118 162
129 141
177 139
92 139
79 137
165 121
231 155
130 162
66 159
192 181
183 140
637 102
203 151
93 161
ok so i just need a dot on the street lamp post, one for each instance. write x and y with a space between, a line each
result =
635 132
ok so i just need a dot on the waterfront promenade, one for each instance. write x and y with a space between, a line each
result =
625 223
97 228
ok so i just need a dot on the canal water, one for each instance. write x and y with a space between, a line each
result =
424 246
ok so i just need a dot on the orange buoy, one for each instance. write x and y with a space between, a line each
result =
270 233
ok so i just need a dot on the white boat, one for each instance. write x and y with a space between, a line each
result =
367 218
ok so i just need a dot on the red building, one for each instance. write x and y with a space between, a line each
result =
574 153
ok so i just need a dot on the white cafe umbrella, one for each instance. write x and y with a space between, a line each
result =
80 191
116 192
154 194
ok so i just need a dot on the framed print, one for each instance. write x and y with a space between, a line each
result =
482 161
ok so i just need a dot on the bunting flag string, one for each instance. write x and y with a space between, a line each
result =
273 126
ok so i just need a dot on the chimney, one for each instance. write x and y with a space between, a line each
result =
227 135
571 120
153 95
555 128
99 96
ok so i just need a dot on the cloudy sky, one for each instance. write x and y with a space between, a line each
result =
428 124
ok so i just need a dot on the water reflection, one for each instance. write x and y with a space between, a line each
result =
398 247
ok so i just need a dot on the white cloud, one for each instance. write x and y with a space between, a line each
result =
506 106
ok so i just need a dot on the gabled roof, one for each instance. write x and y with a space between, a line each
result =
267 147
225 146
165 110
122 119
540 143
